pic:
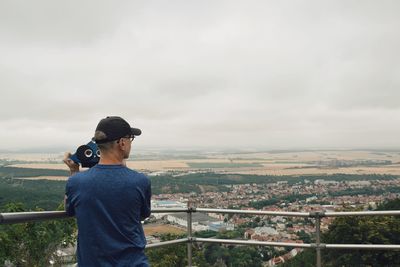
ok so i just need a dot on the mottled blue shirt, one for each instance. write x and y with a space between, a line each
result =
109 201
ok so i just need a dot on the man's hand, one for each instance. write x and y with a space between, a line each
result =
73 167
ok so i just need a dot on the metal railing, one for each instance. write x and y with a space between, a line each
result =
21 217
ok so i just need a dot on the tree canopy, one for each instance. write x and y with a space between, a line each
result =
35 243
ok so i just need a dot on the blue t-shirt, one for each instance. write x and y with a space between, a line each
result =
109 201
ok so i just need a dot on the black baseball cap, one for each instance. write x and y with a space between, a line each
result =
114 128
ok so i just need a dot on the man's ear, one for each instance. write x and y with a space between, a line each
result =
122 144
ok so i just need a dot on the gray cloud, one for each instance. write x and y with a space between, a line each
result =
287 74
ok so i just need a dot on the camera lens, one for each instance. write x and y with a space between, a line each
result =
88 153
98 153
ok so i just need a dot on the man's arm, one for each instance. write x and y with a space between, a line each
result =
68 207
146 208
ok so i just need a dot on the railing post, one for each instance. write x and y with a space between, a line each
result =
318 239
189 233
317 215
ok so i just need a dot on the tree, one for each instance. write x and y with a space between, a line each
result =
174 255
357 230
364 230
390 205
244 257
306 258
304 236
34 243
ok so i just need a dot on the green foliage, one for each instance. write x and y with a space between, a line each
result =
357 230
205 254
365 191
174 255
234 256
232 234
364 230
307 258
34 244
30 172
390 205
304 236
205 234
33 193
244 257
264 203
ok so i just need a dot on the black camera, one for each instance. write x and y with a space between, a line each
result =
87 155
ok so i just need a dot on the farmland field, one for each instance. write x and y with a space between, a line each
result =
257 163
151 229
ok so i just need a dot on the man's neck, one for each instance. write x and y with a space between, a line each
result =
111 159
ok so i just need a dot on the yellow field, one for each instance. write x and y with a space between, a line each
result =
37 157
282 163
392 169
58 166
157 165
151 229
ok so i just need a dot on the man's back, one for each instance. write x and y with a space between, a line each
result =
109 201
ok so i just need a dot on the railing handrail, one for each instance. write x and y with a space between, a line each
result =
22 217
255 212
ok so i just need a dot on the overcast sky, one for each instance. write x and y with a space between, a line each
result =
233 74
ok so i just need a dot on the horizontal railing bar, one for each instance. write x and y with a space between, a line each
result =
362 213
251 242
167 243
167 210
256 212
356 246
21 217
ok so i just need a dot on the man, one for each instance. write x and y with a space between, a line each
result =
109 201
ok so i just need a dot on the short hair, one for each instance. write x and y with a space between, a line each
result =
99 135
